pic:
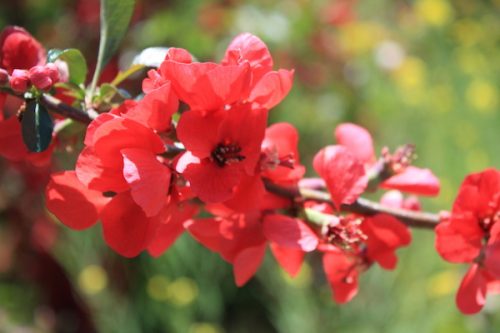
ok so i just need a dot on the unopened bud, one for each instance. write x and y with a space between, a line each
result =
53 71
40 77
19 80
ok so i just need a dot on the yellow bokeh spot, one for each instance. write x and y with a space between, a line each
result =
157 287
92 279
302 279
468 32
476 160
434 12
411 74
360 37
182 291
205 328
482 96
443 283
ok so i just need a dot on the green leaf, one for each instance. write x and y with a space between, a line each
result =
77 65
36 127
125 74
115 17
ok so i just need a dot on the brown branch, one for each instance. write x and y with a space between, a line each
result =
56 106
360 206
65 110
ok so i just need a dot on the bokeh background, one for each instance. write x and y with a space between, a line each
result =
425 72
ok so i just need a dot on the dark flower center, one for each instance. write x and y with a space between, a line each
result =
226 153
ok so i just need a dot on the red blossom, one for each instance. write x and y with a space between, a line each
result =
402 176
343 173
223 148
19 50
470 235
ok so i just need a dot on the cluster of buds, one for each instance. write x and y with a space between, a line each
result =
42 77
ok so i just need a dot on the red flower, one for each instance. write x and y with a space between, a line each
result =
241 240
245 75
19 50
351 244
267 88
470 235
121 155
223 148
403 177
343 173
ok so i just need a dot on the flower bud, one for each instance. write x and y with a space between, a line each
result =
53 71
19 80
40 77
4 76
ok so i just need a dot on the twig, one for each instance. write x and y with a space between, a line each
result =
360 206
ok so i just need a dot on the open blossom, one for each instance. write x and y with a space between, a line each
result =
353 243
241 239
245 75
471 235
223 148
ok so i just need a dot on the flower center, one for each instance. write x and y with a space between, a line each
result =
226 153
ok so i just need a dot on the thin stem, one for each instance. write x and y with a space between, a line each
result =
55 105
360 206
65 110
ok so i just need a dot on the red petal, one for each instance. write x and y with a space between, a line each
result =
492 259
343 173
212 183
357 139
199 133
148 178
91 171
385 234
455 246
155 110
74 204
289 259
414 180
176 215
471 295
249 187
247 262
126 228
289 232
272 88
247 47
341 275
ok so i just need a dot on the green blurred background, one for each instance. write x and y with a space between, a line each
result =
425 72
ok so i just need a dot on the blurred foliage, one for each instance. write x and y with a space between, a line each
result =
423 72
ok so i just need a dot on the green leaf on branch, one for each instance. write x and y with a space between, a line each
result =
36 127
115 17
77 66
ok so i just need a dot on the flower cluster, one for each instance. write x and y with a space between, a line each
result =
196 154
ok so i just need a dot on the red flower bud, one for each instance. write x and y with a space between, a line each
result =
40 77
19 80
53 71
